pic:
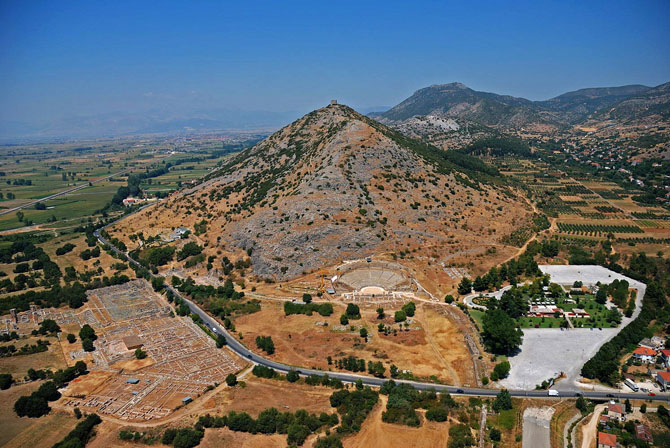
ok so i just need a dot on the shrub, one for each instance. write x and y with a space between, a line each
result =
231 380
437 414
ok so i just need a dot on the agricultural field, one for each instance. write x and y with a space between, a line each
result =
32 172
588 207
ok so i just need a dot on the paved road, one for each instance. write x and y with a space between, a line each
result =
244 352
61 193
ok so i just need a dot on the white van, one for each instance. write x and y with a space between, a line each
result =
552 393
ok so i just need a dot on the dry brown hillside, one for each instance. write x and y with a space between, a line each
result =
336 185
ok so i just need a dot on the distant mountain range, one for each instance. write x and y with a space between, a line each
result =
623 104
151 122
467 108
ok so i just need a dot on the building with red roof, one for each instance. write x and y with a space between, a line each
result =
663 379
606 440
665 356
643 432
645 354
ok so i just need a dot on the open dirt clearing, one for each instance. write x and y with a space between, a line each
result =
375 433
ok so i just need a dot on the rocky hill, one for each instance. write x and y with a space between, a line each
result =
492 112
457 100
337 185
651 105
574 107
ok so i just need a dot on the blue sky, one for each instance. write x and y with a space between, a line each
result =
81 58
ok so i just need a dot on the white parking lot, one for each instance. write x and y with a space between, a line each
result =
547 352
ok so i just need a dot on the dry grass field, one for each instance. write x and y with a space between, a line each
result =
18 365
376 433
29 432
433 345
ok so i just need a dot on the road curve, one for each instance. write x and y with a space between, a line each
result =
244 352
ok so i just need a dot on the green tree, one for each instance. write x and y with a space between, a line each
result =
292 376
297 433
87 332
364 333
140 354
31 406
380 313
409 309
448 298
394 371
501 370
71 338
465 286
307 298
48 326
87 345
231 380
437 414
581 404
6 380
353 311
500 333
400 316
220 341
503 401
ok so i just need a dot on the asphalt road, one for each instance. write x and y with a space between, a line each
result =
244 352
61 193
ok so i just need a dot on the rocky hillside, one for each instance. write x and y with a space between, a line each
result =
575 107
457 100
651 105
337 185
491 112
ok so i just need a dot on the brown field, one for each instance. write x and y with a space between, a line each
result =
218 437
107 435
375 433
260 394
18 365
298 341
21 432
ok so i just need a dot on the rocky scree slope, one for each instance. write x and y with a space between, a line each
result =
337 185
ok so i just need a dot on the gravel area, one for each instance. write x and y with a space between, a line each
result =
536 427
545 352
